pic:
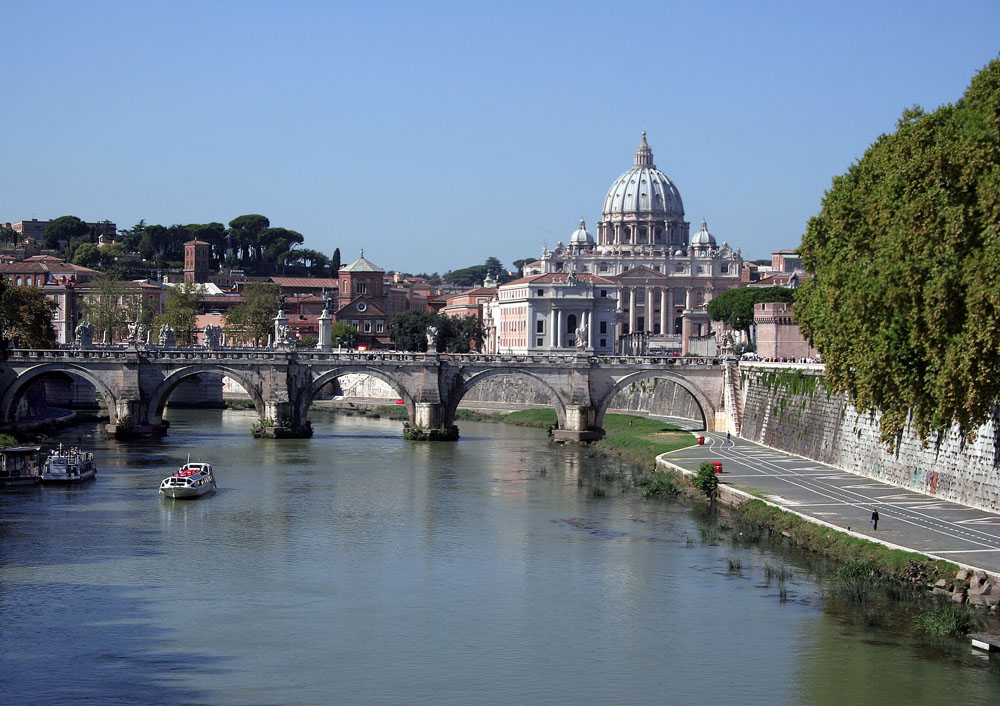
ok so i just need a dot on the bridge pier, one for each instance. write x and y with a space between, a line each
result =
430 423
132 421
281 421
581 425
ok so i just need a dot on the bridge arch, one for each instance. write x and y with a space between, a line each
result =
465 384
13 394
158 398
704 405
321 380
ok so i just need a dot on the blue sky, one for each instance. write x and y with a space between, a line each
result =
437 134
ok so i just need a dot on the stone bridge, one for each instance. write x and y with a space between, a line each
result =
136 383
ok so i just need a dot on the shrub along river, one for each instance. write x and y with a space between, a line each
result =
357 568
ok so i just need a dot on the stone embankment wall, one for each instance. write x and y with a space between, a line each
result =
787 407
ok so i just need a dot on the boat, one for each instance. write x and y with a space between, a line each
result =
73 466
192 480
19 466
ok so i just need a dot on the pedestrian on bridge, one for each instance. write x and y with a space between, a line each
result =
874 518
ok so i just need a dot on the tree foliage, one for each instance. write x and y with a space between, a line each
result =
180 307
253 320
455 334
65 229
344 335
102 307
25 318
905 302
706 481
735 306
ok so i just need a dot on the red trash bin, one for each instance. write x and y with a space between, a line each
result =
701 440
717 465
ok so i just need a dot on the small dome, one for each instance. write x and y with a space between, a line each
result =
678 253
703 237
580 236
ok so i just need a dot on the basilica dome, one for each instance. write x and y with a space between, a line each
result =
643 189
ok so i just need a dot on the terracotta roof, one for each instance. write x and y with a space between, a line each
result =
56 266
478 291
559 278
313 282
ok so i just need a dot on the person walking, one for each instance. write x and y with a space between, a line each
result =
874 518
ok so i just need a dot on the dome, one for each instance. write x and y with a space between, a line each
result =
580 236
703 237
678 253
643 189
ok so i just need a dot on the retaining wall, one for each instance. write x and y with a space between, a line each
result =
788 408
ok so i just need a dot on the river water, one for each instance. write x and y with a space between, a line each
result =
357 568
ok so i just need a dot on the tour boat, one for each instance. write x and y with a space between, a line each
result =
73 466
19 466
192 480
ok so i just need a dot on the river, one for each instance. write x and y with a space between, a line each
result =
357 568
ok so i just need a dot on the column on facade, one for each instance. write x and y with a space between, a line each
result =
590 328
631 310
663 310
648 311
551 333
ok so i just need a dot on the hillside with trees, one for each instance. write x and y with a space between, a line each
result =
904 305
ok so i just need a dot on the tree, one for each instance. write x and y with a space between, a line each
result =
9 235
735 306
103 308
180 307
519 264
86 254
459 334
706 481
335 262
253 320
64 229
130 237
26 318
904 304
245 233
344 335
408 329
467 277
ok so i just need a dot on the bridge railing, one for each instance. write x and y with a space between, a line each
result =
199 353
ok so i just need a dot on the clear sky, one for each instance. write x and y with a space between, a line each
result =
437 134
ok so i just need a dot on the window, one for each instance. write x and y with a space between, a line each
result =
604 327
360 287
18 282
538 342
604 343
640 323
379 326
355 323
539 326
724 269
604 292
603 267
640 296
368 326
541 292
571 323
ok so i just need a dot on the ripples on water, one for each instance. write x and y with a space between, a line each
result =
356 568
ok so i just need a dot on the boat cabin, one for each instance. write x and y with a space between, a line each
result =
19 465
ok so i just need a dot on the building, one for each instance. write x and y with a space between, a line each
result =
40 270
196 254
778 336
361 302
664 278
554 312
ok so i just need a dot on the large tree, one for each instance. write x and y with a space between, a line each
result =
408 329
252 321
180 307
905 302
103 308
25 318
735 306
64 229
245 233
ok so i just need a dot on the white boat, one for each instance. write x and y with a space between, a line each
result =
192 480
73 466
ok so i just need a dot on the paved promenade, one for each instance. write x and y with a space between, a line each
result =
911 520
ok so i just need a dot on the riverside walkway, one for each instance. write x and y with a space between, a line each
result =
907 519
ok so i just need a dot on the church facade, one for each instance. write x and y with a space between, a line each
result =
663 277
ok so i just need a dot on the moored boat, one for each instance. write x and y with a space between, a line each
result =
192 480
72 466
19 466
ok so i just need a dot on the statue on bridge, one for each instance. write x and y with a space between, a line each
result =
84 334
581 337
136 332
432 339
282 334
167 339
212 335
